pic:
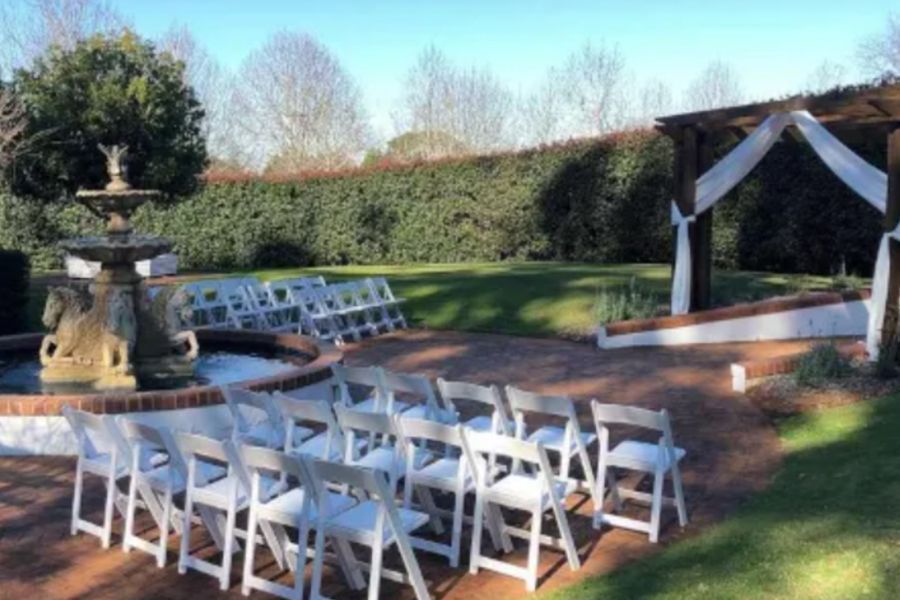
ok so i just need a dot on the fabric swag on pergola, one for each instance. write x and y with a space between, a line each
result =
696 195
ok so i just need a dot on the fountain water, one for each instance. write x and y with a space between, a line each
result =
116 335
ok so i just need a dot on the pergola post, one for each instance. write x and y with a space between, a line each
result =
891 219
693 156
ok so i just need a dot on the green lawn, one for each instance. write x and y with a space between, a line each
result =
537 298
828 527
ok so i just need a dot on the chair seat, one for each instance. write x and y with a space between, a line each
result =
484 423
384 459
262 434
289 506
443 474
315 446
99 465
641 456
369 405
217 491
359 522
554 438
159 477
522 491
422 411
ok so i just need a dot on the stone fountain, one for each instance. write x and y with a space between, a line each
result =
114 335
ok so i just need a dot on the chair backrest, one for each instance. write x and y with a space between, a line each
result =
616 414
410 384
488 445
521 401
268 461
92 432
381 289
370 378
145 438
241 401
428 431
454 391
201 448
298 411
352 421
371 481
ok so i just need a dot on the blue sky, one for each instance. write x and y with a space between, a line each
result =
774 44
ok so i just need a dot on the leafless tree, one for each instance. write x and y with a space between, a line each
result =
879 54
13 123
655 100
452 108
593 78
296 102
826 76
717 86
215 89
541 111
29 27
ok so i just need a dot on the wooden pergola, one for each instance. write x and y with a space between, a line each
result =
871 113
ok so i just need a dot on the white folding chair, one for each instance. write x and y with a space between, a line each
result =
156 482
568 440
421 401
209 309
342 317
368 379
456 392
256 419
454 474
99 455
326 444
228 495
535 492
294 507
350 302
377 313
381 291
660 459
375 522
384 449
315 319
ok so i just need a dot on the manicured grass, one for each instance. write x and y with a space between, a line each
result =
828 527
537 298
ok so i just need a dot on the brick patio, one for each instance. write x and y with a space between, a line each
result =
732 452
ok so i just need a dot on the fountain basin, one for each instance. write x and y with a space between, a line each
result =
117 249
32 423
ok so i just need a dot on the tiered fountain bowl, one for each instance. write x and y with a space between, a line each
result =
117 348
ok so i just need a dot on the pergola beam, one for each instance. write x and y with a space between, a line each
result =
889 329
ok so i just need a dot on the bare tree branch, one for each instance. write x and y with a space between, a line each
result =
297 103
717 86
13 123
826 76
879 55
30 27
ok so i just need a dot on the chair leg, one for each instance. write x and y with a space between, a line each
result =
534 548
251 550
184 547
409 560
302 541
656 507
427 500
76 498
456 534
108 509
477 525
565 532
316 587
679 495
164 528
599 496
129 515
227 551
375 573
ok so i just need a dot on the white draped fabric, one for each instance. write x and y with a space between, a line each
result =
866 180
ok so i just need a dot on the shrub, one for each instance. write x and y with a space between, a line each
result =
14 273
823 362
621 304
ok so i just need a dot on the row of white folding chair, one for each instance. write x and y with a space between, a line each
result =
224 303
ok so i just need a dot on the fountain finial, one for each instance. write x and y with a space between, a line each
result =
115 167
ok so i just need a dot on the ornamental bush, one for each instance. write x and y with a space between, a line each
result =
602 200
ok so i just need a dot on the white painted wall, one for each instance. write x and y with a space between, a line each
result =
841 319
52 436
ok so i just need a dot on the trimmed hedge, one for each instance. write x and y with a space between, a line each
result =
604 200
14 275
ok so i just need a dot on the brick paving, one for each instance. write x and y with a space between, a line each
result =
732 452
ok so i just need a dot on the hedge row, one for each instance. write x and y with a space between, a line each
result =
599 201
